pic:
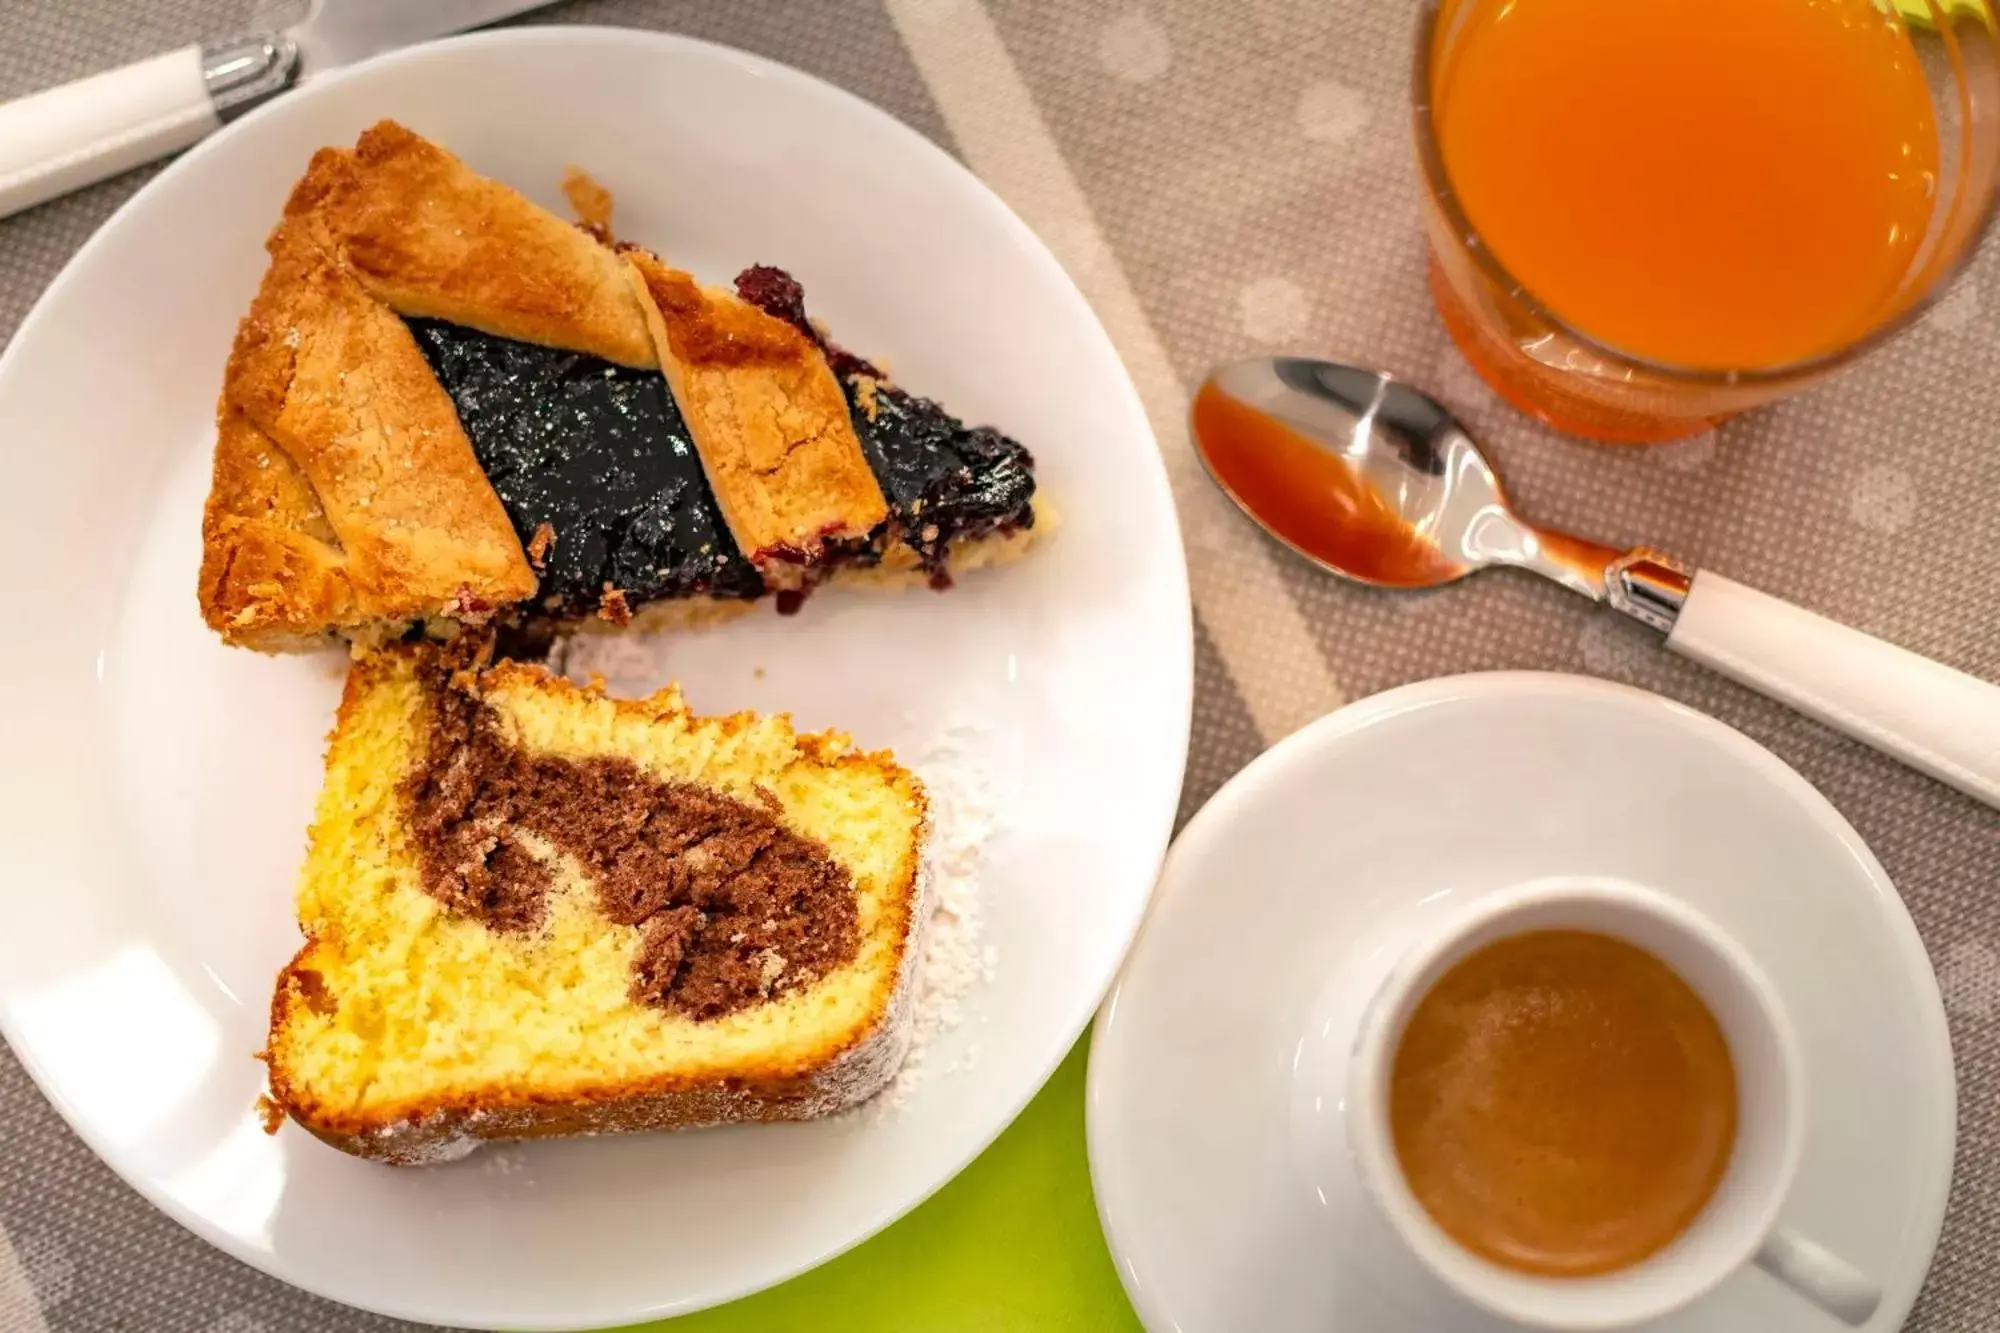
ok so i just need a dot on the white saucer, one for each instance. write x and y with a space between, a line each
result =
1216 1073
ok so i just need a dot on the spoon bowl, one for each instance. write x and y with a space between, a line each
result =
1369 478
1375 436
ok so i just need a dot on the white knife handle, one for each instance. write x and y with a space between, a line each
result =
69 137
1931 717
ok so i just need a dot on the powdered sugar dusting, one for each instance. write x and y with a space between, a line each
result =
418 1142
964 818
630 663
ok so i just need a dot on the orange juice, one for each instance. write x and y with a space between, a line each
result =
1712 184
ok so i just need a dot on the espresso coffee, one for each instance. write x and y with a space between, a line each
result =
1562 1103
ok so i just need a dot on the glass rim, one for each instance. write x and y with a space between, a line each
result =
1430 157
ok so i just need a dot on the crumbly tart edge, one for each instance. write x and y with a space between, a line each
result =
308 525
849 1072
898 572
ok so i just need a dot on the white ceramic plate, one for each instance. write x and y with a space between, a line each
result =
1219 1061
157 785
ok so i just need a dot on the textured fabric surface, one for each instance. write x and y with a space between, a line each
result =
1224 180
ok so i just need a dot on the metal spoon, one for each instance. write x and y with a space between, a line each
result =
1371 479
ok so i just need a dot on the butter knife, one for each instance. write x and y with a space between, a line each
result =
65 138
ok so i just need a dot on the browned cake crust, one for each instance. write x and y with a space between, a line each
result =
345 495
768 419
844 1077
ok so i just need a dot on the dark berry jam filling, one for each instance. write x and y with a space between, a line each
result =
944 481
597 471
595 467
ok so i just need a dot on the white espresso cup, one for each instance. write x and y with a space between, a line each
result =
1738 1226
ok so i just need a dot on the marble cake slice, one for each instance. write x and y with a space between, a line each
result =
532 910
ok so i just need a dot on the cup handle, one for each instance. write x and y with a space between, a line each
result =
1821 1276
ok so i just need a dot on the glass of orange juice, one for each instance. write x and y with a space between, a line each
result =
1647 215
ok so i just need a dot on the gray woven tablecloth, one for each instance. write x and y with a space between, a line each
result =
1221 178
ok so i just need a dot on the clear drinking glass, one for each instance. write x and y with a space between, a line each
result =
1550 369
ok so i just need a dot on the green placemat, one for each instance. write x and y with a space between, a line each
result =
1010 1246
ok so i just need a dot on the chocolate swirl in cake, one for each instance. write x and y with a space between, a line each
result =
733 908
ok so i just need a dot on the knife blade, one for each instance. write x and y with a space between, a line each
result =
65 138
340 32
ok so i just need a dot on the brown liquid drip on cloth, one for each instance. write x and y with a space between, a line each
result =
733 907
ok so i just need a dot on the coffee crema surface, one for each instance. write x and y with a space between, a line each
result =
1563 1103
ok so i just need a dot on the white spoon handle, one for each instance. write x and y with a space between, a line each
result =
1935 719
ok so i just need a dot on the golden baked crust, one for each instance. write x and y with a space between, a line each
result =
768 419
435 240
451 1131
384 1026
273 575
345 495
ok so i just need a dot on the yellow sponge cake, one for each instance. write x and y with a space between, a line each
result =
533 910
